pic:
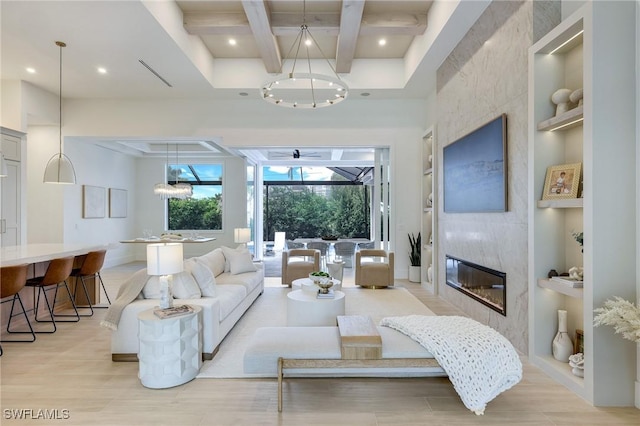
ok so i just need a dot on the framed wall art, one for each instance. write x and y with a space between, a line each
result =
475 170
562 181
117 202
93 202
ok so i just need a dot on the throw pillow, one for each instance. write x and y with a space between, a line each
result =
184 286
203 276
214 260
239 260
151 289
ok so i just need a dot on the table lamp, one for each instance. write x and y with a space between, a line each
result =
242 236
164 259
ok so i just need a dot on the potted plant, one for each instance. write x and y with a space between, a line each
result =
414 258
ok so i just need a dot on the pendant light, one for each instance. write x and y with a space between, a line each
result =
182 191
163 189
59 168
306 89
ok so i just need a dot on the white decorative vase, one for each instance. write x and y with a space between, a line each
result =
430 274
562 344
414 274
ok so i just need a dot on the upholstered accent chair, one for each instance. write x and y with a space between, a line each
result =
299 263
374 268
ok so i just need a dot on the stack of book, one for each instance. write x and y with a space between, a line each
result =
174 311
568 281
329 295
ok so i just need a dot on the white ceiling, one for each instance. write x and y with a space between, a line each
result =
186 43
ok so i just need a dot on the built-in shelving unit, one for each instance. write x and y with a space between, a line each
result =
566 203
567 57
561 288
429 191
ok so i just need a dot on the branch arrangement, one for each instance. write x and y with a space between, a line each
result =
623 315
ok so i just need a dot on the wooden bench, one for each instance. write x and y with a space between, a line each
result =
361 347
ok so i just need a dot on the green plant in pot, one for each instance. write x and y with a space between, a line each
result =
414 257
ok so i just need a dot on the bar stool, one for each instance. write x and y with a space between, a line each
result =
12 280
57 273
90 269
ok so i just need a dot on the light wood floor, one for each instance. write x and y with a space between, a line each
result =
72 370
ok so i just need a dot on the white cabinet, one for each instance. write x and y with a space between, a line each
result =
10 187
429 192
582 52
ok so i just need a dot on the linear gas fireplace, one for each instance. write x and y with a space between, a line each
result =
485 285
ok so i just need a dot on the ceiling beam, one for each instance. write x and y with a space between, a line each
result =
350 21
394 24
288 24
216 23
258 17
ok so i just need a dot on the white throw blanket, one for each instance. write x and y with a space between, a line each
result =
127 293
480 362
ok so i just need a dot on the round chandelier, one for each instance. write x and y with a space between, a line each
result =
305 89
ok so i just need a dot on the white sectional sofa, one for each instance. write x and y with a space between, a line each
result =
224 282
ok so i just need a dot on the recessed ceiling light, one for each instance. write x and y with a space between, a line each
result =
365 94
382 42
102 70
31 70
232 41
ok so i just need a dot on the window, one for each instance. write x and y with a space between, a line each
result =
203 211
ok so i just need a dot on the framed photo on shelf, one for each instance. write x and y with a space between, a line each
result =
579 347
562 181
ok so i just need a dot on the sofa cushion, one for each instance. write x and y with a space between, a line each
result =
203 276
249 280
230 297
214 260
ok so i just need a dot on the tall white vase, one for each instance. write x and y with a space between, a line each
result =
562 344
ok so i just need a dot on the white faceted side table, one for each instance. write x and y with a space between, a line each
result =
170 348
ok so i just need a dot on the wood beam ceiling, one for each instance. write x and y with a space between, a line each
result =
266 27
350 21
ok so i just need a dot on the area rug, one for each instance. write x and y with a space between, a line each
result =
270 310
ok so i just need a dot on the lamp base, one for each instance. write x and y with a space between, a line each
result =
166 296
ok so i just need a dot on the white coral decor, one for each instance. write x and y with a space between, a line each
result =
623 315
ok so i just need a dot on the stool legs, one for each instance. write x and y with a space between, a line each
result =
11 315
51 307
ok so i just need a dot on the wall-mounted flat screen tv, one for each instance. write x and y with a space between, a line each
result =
475 170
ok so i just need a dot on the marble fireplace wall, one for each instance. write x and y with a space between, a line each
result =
485 76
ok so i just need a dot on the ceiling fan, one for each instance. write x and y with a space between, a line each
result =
296 154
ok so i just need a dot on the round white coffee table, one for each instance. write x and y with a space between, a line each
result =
306 285
170 349
306 309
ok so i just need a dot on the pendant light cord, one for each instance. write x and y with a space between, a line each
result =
61 45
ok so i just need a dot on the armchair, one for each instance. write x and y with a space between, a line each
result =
372 273
299 263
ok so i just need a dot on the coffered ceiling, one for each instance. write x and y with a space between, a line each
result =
344 30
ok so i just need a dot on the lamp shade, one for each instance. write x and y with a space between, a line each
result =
242 235
59 170
164 258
